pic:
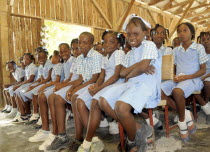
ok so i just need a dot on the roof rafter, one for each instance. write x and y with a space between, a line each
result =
189 15
153 2
170 6
197 19
183 16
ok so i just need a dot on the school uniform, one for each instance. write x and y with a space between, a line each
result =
18 75
187 62
208 68
75 76
143 90
56 71
42 71
67 66
87 66
29 70
109 64
165 50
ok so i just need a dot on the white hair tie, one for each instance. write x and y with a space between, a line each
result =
132 16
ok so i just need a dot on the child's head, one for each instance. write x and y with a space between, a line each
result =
112 41
42 55
56 58
40 49
28 58
75 47
136 31
186 32
204 39
21 62
176 42
98 47
64 50
127 47
86 40
11 66
159 34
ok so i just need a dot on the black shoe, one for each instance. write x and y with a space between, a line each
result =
57 142
37 126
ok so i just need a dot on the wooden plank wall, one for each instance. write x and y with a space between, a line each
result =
24 35
84 12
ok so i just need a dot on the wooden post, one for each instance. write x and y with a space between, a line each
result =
4 45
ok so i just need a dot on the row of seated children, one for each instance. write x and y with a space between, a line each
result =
94 85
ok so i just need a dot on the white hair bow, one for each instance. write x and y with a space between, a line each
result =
132 16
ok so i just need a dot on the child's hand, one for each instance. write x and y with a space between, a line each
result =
93 90
41 89
69 94
56 88
203 78
180 78
15 87
58 83
30 88
150 70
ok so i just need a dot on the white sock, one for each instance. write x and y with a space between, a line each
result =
206 108
6 106
182 127
36 115
45 131
86 144
14 109
188 117
155 120
9 108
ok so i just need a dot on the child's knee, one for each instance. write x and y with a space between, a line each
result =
41 97
80 103
94 104
51 98
102 103
178 92
59 100
120 107
74 98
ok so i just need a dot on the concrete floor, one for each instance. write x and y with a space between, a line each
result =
14 138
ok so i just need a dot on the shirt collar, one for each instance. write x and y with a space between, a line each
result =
192 46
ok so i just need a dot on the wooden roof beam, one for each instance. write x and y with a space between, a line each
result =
192 9
167 7
153 2
125 15
183 16
152 18
189 15
197 19
102 13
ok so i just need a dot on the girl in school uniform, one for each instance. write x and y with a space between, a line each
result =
44 134
204 39
30 74
18 74
99 48
190 63
159 34
110 74
44 76
138 91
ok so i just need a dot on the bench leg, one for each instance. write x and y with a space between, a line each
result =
122 136
166 121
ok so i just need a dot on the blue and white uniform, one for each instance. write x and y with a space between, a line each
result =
143 90
42 71
208 68
187 62
109 65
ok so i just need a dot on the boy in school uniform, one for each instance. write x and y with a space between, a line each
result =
89 65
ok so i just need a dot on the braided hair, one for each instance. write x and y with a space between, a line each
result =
41 49
201 35
31 56
120 37
153 31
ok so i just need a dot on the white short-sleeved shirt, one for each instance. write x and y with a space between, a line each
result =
73 70
18 74
46 68
109 63
67 66
57 70
30 70
166 50
87 66
188 61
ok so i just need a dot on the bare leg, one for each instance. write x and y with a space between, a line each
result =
20 105
123 112
200 99
207 90
60 112
104 105
170 102
94 120
14 104
44 111
83 112
51 103
35 103
77 122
